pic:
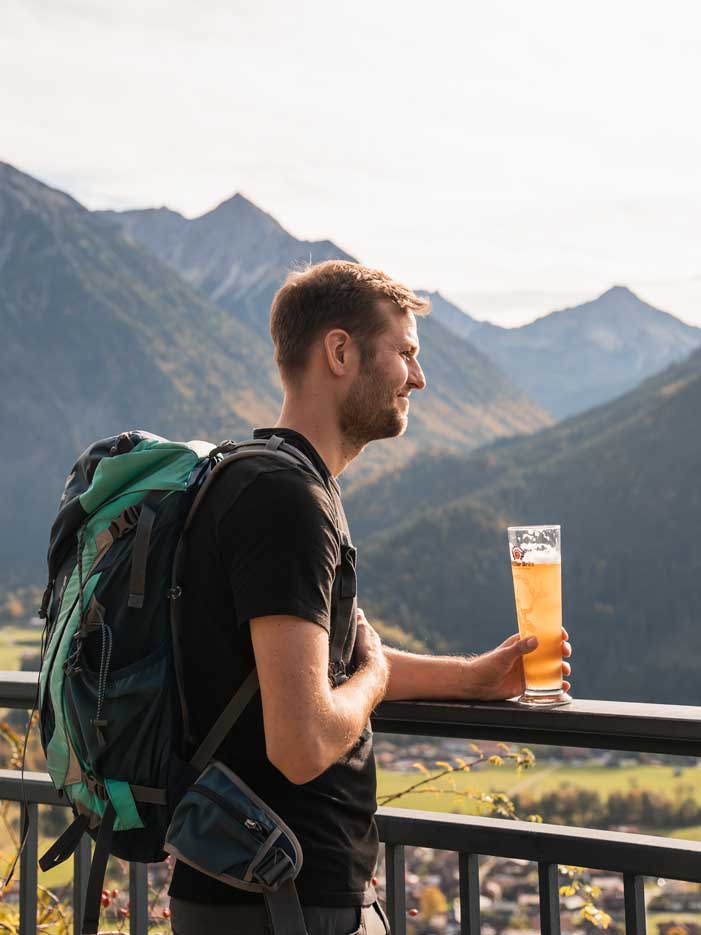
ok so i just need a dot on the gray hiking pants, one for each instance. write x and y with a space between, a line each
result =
188 918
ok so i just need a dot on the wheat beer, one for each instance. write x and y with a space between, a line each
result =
535 566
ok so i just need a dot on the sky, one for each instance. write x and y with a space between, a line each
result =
518 157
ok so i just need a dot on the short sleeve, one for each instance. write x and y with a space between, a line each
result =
279 548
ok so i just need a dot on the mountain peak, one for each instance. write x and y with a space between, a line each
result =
237 202
18 187
240 211
619 292
165 211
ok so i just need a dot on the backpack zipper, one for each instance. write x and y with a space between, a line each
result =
250 824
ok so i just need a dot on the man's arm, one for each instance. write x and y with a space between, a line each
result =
308 724
493 676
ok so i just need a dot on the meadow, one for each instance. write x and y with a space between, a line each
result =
451 793
16 642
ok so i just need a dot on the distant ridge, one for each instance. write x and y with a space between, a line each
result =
239 256
579 357
451 315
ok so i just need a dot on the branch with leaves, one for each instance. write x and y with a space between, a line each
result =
500 805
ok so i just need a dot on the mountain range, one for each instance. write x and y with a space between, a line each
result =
239 256
579 357
101 335
148 319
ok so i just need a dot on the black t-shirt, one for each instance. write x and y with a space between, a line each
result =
266 540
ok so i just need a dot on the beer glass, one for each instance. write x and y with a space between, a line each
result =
535 565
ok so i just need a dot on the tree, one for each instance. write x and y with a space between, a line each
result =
432 902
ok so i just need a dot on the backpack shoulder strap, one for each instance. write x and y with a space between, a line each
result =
274 447
226 720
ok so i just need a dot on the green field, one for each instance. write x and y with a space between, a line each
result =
688 834
449 793
15 642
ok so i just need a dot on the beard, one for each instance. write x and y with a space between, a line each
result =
370 411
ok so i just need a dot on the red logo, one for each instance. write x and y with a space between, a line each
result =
517 553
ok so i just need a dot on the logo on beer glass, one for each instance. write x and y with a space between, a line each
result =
517 553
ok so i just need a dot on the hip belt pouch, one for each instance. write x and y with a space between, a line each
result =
221 828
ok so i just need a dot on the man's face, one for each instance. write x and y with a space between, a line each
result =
377 404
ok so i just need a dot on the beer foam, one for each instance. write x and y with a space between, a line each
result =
539 556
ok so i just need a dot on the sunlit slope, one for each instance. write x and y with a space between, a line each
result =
98 337
622 480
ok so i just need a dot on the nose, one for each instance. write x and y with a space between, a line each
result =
416 376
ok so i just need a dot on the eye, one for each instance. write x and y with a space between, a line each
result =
408 354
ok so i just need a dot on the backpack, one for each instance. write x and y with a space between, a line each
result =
112 713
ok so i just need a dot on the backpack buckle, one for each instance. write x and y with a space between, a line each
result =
97 788
273 868
126 520
337 673
122 444
43 611
223 448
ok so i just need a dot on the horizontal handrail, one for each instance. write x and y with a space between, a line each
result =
18 689
608 725
613 851
29 786
616 851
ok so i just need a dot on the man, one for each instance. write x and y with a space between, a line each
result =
273 545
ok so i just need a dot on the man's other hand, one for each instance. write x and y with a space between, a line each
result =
368 646
498 674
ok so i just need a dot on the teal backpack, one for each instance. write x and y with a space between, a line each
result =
113 717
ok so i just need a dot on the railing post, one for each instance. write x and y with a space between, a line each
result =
469 894
634 901
81 870
28 870
396 888
549 890
138 899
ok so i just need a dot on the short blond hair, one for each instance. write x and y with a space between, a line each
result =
333 294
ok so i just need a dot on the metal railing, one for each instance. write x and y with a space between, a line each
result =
664 729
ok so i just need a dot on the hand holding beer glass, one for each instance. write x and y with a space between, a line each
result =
535 565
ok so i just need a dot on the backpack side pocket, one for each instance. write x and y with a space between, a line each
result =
223 829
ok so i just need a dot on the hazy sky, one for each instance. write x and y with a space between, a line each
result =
518 156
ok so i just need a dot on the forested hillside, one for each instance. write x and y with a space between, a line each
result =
100 335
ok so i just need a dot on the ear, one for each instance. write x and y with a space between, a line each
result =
337 348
